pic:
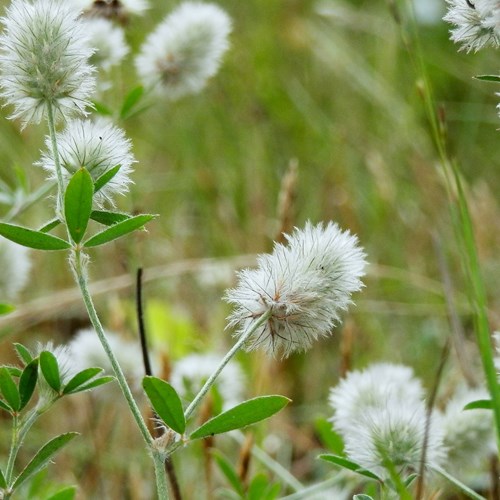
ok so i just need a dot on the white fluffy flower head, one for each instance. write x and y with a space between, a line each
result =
476 23
98 146
43 60
14 268
191 372
185 50
116 9
302 286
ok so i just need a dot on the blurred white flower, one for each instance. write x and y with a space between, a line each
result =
428 11
190 373
119 9
98 146
303 286
469 434
87 352
382 418
44 55
185 50
14 269
109 41
372 388
476 23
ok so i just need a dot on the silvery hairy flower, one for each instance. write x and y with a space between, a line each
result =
380 414
119 9
469 434
98 146
43 60
87 352
14 268
191 372
476 23
185 50
108 39
303 286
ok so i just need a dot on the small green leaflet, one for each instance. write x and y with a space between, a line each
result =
81 378
50 370
78 203
348 464
9 389
480 404
32 239
488 78
130 101
105 178
67 493
247 413
108 218
27 382
6 308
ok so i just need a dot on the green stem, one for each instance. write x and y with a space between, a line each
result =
57 162
96 323
160 474
211 380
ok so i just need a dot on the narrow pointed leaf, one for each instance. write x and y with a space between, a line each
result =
458 484
5 406
78 203
229 471
32 239
50 370
105 178
131 99
258 487
165 402
42 457
6 308
81 378
347 464
67 493
362 496
247 413
488 78
118 230
27 382
93 384
23 353
15 371
108 218
102 109
480 404
49 225
9 389
3 483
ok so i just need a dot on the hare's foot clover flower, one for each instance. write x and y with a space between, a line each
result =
303 287
44 60
185 50
477 23
99 147
382 418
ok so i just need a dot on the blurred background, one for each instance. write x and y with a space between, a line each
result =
316 114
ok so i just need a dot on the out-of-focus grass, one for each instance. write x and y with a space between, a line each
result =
329 84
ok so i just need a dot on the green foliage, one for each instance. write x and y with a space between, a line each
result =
50 370
246 413
23 353
80 379
130 102
349 465
9 389
481 404
227 468
32 239
108 218
328 436
27 382
165 402
66 493
105 178
78 203
6 308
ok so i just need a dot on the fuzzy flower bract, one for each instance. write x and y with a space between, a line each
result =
303 286
14 268
99 147
185 50
380 414
43 60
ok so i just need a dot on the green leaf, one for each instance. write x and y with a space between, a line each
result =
229 471
347 464
362 497
102 109
3 483
459 485
108 218
480 404
78 203
27 382
328 436
119 229
23 353
257 487
6 308
42 457
81 378
246 413
50 370
67 493
131 99
488 78
165 402
14 371
32 239
49 225
9 389
105 178
5 406
94 383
